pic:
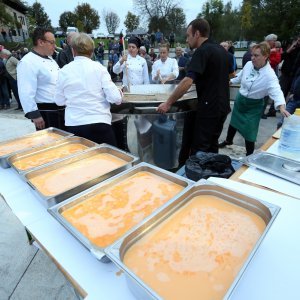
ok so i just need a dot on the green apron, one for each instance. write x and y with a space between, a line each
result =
246 116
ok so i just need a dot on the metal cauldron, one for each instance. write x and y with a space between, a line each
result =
155 138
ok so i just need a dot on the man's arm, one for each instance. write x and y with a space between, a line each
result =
181 89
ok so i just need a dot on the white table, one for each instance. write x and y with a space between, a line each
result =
273 273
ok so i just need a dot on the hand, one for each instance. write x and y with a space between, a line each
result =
284 112
163 108
124 58
39 123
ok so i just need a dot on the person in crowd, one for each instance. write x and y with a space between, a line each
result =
113 57
257 80
132 65
231 48
37 74
116 47
212 91
294 99
274 59
158 37
182 62
4 35
152 39
24 52
66 56
11 68
172 39
231 59
4 95
85 87
143 53
165 69
291 63
152 55
114 76
247 55
99 53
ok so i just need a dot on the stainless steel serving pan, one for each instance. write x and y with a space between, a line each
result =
3 159
58 209
42 150
49 201
282 167
116 252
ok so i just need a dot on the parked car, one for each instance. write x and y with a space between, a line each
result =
110 36
91 35
59 34
72 29
101 35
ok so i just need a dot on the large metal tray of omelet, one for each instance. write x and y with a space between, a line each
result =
58 181
29 141
282 167
100 215
28 160
198 244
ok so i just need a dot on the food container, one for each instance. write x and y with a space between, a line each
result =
58 181
29 141
49 153
282 167
206 252
117 205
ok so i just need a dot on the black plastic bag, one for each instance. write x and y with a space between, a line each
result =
206 164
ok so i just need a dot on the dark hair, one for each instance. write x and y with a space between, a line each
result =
39 34
135 40
202 26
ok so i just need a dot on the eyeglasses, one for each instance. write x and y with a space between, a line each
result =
50 42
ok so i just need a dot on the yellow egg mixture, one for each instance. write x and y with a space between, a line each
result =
197 252
48 156
68 176
28 142
106 216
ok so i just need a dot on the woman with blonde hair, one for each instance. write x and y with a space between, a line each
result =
165 69
86 88
257 80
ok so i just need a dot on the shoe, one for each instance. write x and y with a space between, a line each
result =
224 144
264 116
271 114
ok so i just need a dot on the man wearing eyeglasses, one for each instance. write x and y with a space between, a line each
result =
37 74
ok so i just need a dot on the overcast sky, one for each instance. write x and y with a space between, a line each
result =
54 8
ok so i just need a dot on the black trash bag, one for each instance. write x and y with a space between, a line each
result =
207 164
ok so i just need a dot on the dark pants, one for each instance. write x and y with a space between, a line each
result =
230 135
200 134
14 87
98 133
53 115
4 96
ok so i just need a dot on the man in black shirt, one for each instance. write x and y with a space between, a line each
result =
209 70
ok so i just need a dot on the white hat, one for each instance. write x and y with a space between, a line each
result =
143 48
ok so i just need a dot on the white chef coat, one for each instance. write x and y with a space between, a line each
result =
85 87
168 67
135 70
257 84
37 77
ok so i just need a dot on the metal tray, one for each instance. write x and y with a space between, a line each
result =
97 251
155 93
116 252
42 150
3 159
51 200
285 168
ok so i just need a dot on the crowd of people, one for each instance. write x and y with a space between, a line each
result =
74 91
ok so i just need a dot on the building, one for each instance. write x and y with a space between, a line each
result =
19 31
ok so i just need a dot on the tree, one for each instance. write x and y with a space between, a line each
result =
87 17
131 22
5 17
67 19
38 15
176 19
112 21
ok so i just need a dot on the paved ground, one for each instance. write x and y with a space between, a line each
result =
25 271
